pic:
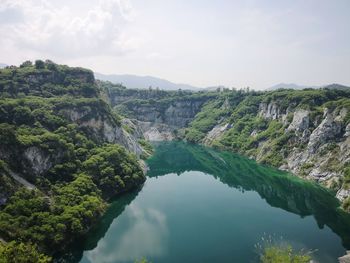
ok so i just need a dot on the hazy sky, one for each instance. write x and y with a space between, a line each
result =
234 43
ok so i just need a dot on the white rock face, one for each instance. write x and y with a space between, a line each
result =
328 141
39 161
109 130
345 258
269 111
342 194
216 132
329 128
300 121
156 131
347 130
176 115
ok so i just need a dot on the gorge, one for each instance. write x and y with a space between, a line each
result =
70 144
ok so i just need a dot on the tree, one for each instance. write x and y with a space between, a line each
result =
27 63
39 64
50 65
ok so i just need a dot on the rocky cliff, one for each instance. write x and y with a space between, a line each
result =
158 114
321 149
48 115
304 132
309 138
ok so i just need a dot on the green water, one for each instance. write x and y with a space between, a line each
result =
201 205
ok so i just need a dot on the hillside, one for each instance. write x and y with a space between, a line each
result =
305 132
143 82
63 155
71 143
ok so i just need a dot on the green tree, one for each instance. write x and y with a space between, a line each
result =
27 63
39 64
18 252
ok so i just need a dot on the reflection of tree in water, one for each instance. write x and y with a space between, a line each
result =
89 242
279 189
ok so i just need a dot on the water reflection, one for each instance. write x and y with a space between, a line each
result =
161 224
140 234
279 189
98 232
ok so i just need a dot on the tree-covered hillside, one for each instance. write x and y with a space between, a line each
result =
59 158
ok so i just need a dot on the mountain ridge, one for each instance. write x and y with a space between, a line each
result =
143 82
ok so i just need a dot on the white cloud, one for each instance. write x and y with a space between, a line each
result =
145 236
54 31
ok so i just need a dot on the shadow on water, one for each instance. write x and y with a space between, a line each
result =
89 242
278 188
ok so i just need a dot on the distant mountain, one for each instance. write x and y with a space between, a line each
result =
2 65
143 82
299 87
290 86
336 86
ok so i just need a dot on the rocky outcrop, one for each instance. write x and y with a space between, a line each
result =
106 129
39 161
300 121
22 181
342 194
269 111
329 129
180 113
215 133
177 114
160 121
345 258
156 131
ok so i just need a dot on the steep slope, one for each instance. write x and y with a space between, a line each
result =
61 154
305 132
158 114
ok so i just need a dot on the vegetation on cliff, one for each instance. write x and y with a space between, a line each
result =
51 140
303 131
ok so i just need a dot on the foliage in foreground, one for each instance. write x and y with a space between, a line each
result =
276 254
17 252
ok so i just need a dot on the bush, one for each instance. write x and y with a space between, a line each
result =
18 252
39 64
274 254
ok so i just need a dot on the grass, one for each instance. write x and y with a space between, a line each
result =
276 250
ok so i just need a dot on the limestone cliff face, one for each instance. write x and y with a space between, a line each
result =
325 144
158 120
176 114
318 144
269 111
105 129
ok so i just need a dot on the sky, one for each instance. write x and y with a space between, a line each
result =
255 43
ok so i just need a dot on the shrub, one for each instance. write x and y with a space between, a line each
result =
275 254
18 252
39 64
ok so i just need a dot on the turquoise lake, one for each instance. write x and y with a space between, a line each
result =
202 205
